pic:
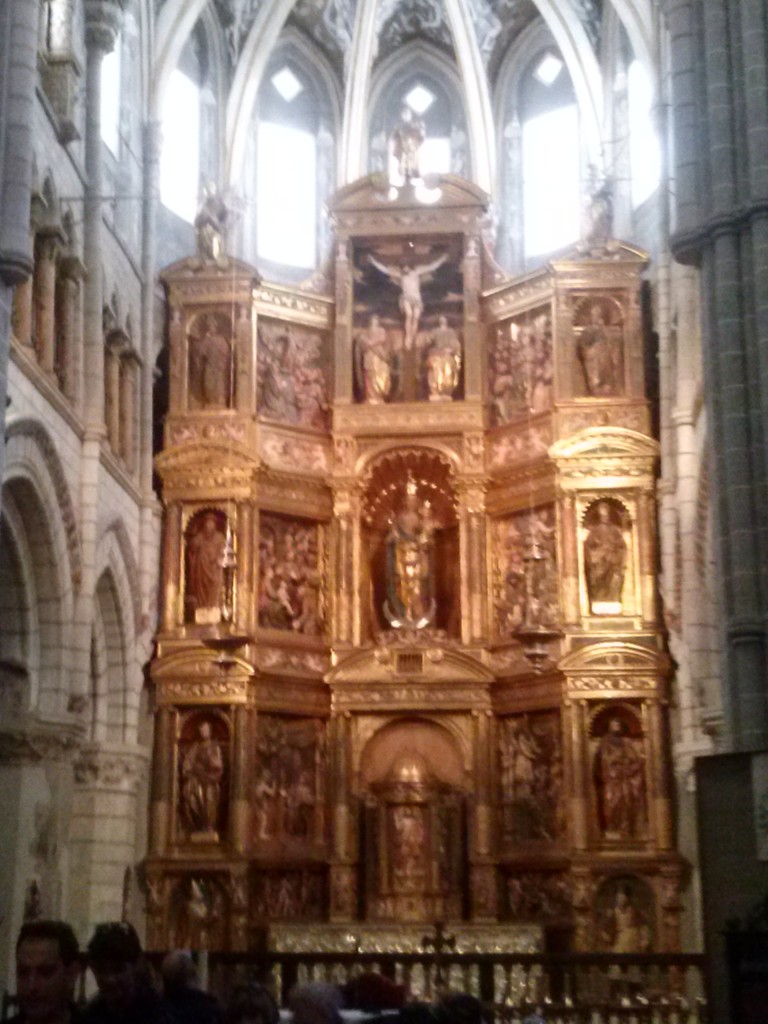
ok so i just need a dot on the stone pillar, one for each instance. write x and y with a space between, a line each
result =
70 329
22 308
113 358
47 245
102 21
130 366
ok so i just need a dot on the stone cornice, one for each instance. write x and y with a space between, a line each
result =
111 767
30 741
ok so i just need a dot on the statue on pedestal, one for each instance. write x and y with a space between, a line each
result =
407 139
443 362
410 600
210 225
202 771
374 362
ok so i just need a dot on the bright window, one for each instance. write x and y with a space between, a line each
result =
551 180
180 160
435 156
287 208
110 99
644 150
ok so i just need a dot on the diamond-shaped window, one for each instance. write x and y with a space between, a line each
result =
287 84
548 68
419 99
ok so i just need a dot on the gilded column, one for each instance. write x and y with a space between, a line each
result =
661 797
171 562
163 760
473 564
346 550
579 796
240 776
343 867
473 374
646 555
245 596
569 529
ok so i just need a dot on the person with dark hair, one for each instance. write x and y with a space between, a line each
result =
47 969
181 988
126 994
252 1004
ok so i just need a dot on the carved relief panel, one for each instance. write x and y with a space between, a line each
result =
625 915
408 320
291 572
619 773
203 777
288 795
520 365
199 913
530 771
524 570
293 374
290 895
538 896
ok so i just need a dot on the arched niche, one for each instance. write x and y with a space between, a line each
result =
409 497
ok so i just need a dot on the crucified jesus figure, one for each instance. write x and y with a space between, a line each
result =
409 278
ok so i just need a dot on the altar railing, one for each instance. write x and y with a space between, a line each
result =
578 988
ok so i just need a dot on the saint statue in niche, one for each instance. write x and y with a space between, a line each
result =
210 366
202 771
605 559
624 927
443 361
599 352
374 361
205 572
409 276
619 774
410 600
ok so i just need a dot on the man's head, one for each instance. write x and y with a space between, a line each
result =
47 967
178 972
115 957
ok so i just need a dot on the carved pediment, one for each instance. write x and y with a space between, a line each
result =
374 192
616 657
194 270
200 663
205 460
422 663
599 452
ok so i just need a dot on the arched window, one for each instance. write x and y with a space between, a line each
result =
189 150
410 81
550 156
287 167
111 68
644 149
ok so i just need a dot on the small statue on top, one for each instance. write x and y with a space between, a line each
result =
598 211
407 139
210 225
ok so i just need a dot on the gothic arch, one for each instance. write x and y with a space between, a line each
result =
30 449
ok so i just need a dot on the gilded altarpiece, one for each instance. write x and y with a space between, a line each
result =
411 666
